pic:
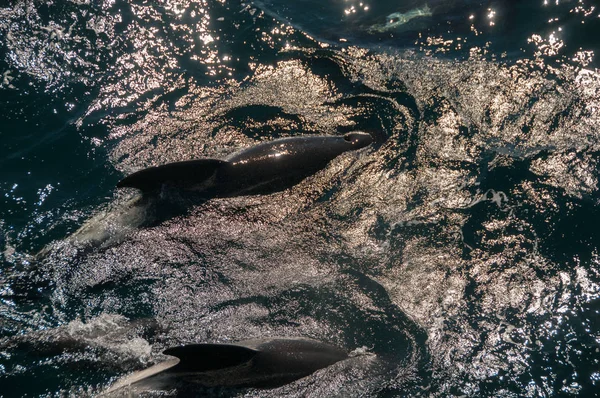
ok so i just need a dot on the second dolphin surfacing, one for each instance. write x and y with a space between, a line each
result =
260 363
265 168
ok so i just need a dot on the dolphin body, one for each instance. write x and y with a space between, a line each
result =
262 169
265 168
396 20
261 363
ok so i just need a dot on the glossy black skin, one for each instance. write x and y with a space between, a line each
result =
280 164
264 168
262 363
253 363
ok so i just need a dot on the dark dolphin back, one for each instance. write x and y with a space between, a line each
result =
280 164
317 146
304 150
264 168
252 363
309 355
207 357
284 360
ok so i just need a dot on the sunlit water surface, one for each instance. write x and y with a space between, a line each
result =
456 256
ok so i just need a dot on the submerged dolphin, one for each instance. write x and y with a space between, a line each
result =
265 168
263 363
395 20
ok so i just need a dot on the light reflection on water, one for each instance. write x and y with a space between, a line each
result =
453 242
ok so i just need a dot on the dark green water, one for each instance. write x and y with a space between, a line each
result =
458 255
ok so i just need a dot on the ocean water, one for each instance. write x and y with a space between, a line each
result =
456 256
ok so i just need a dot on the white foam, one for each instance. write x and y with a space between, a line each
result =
110 331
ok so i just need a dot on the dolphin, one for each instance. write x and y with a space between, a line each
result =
265 168
262 169
259 363
395 20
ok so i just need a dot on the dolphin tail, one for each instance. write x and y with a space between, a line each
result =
186 175
207 357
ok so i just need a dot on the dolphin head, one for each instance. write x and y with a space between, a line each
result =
358 139
395 18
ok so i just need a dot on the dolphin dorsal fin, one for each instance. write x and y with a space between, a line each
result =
205 357
177 174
